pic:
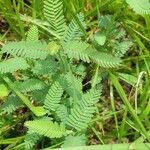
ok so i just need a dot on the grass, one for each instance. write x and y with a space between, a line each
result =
123 110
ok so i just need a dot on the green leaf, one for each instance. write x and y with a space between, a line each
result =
62 113
105 60
132 80
53 97
47 128
82 112
74 141
100 38
45 67
13 64
30 85
53 12
73 30
77 50
72 85
11 104
120 48
3 91
31 139
27 49
140 6
33 34
39 111
83 51
53 48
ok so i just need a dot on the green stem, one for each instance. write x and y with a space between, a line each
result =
147 21
146 111
141 139
21 25
122 126
98 136
95 76
140 34
101 7
20 95
38 111
11 140
35 21
128 105
51 147
114 109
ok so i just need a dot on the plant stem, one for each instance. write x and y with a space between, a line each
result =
128 105
38 111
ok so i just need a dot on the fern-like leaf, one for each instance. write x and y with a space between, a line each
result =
53 97
77 50
39 95
79 70
30 85
62 113
120 34
80 117
105 21
11 105
82 51
119 49
46 127
33 34
53 11
140 6
104 59
82 113
13 64
72 85
45 67
30 140
27 49
91 97
73 30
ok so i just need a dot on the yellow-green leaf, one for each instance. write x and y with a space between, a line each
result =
3 91
53 47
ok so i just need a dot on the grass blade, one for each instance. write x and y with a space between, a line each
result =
122 94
